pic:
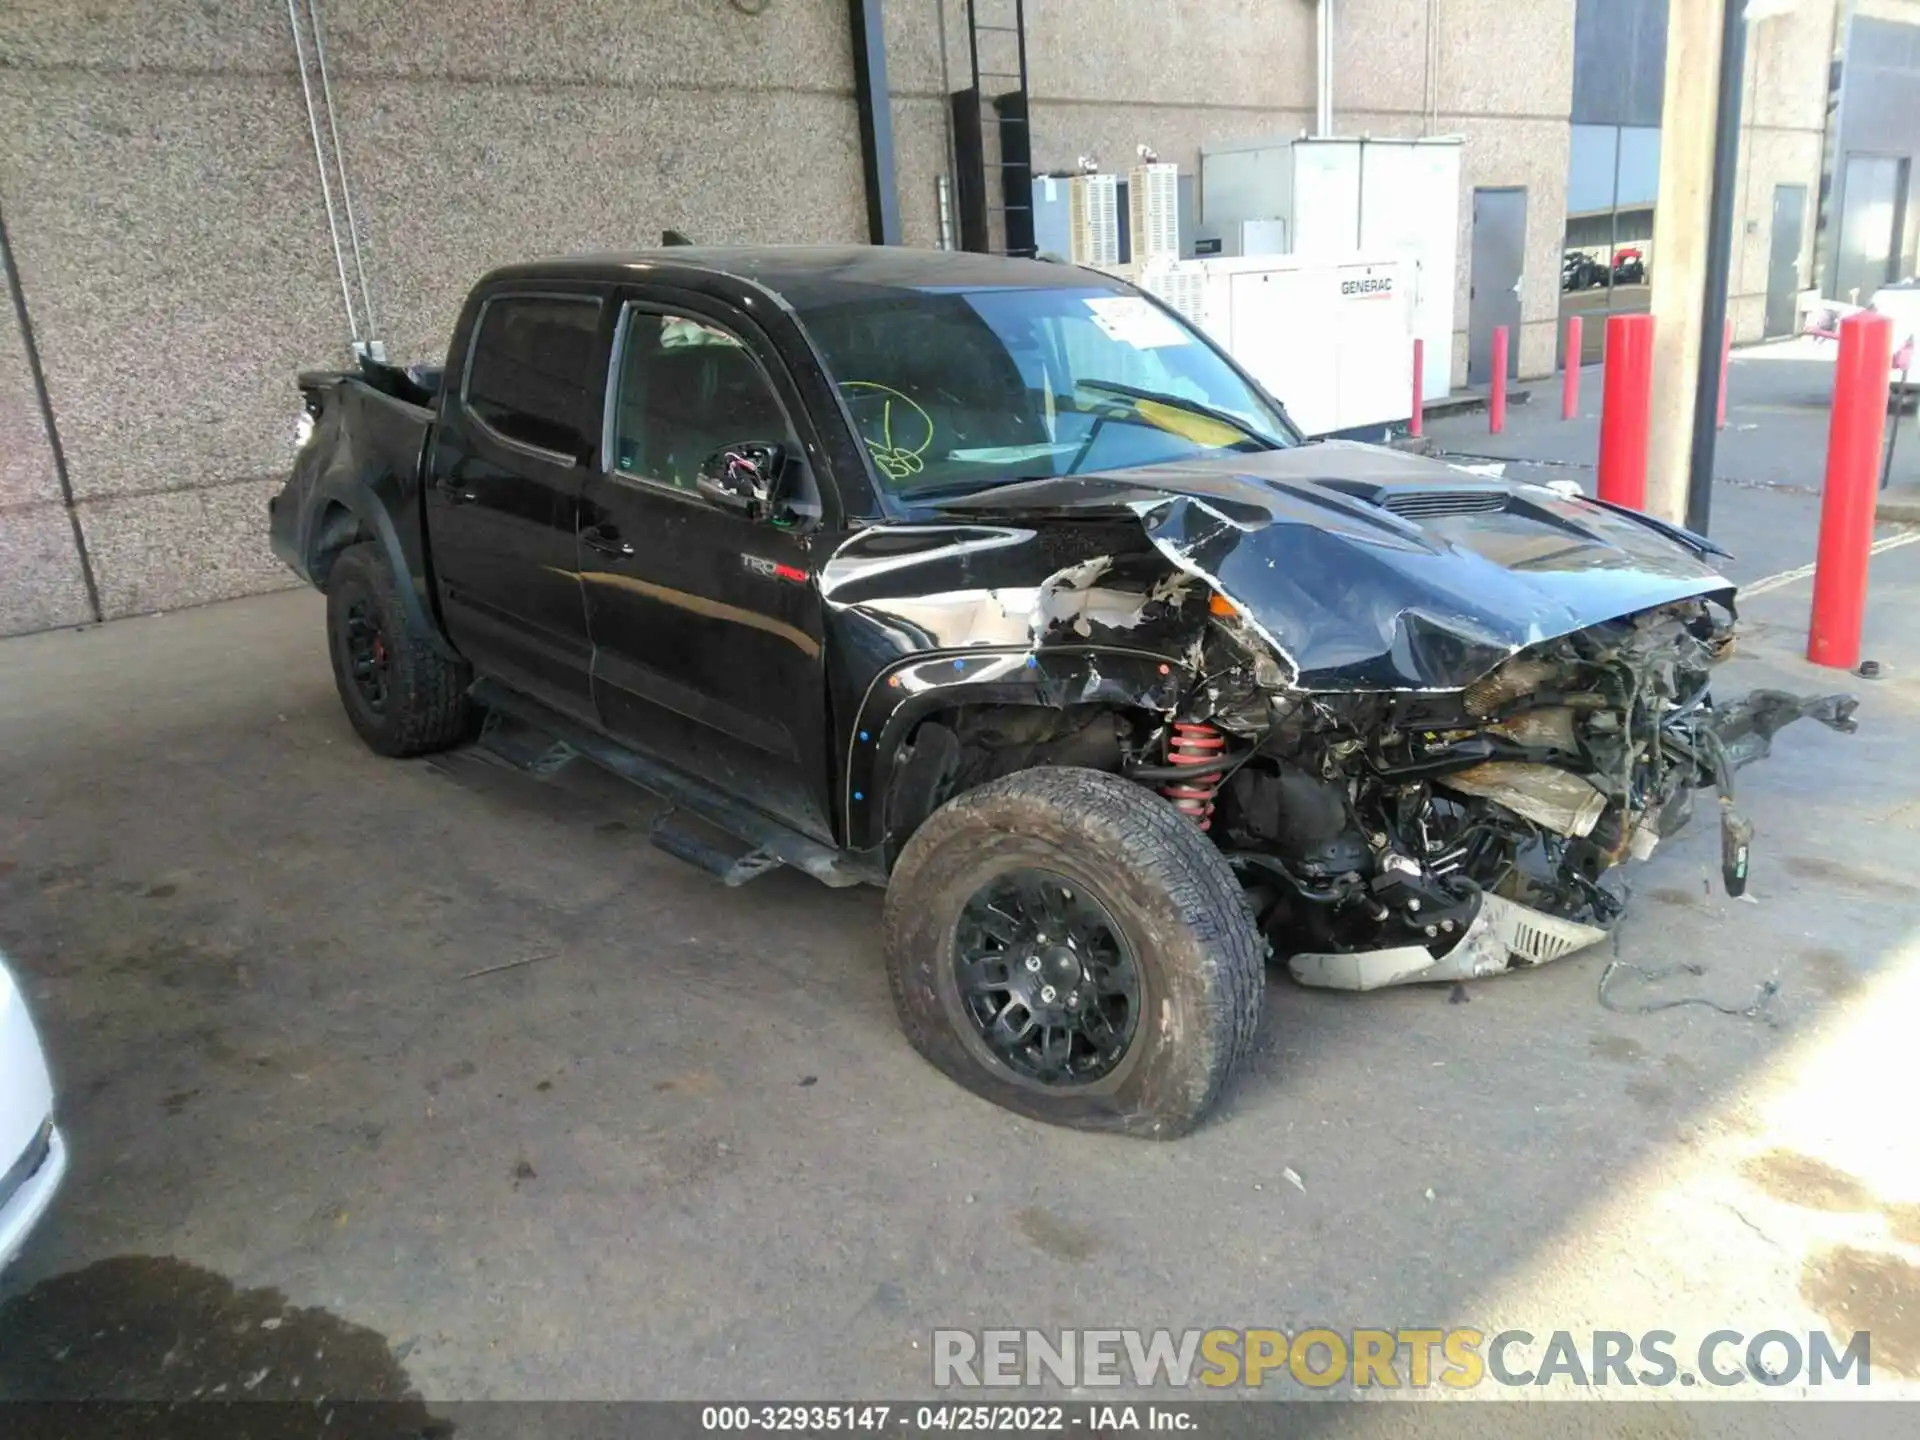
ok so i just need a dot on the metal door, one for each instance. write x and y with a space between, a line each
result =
1871 202
706 625
1499 261
1783 262
519 426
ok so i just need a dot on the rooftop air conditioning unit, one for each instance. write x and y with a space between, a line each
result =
1093 219
1153 211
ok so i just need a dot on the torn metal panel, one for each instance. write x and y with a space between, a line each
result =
1374 570
1565 803
1745 729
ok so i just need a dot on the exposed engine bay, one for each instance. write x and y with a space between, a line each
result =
1393 837
1427 717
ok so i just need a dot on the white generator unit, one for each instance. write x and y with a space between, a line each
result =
1153 212
1093 220
1332 340
1236 238
1336 198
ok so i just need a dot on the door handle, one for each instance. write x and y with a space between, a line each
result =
606 540
456 495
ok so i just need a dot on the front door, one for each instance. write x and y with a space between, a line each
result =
1499 258
705 622
510 464
1783 258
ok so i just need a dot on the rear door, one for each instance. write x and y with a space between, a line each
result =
519 434
706 624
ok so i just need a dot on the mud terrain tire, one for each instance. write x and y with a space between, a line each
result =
420 704
1173 899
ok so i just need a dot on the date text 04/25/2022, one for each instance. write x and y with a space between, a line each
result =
941 1418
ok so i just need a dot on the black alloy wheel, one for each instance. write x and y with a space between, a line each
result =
1047 977
366 643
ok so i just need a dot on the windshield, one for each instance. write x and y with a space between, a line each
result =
953 391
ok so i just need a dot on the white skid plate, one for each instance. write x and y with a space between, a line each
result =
1504 936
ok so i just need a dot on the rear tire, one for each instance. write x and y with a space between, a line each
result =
401 694
1118 860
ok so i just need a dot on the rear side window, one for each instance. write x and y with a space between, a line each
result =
532 375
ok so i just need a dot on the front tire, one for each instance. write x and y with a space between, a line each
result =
403 696
1134 1013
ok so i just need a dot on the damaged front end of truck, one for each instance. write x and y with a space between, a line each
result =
1425 721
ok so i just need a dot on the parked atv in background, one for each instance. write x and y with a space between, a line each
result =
1580 271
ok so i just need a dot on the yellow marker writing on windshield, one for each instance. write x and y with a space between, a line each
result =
896 456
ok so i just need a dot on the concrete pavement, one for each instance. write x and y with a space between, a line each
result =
682 1149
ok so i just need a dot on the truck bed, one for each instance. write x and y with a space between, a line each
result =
370 431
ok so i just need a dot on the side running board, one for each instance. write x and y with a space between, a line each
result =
769 844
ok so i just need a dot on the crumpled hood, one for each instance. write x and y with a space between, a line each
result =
1369 568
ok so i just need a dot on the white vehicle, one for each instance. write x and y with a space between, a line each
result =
32 1155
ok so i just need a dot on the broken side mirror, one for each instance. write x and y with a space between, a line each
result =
744 478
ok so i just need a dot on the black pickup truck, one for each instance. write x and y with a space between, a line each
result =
997 583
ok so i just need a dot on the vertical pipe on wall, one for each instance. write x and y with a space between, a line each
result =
874 101
1710 372
1433 67
1323 37
320 163
946 105
340 164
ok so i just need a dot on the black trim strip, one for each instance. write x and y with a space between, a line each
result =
18 291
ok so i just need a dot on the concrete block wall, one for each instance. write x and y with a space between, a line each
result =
159 187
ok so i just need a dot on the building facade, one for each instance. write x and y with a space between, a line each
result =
1829 130
195 210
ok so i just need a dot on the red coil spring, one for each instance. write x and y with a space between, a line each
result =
1195 744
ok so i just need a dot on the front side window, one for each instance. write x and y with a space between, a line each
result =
533 376
686 390
955 390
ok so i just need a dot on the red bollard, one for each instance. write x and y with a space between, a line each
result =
1570 381
1726 358
1497 401
1626 406
1419 386
1860 382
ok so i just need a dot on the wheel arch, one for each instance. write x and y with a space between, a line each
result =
361 509
935 688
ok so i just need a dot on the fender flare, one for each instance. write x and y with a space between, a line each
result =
371 509
907 692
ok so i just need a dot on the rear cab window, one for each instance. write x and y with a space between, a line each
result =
534 374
